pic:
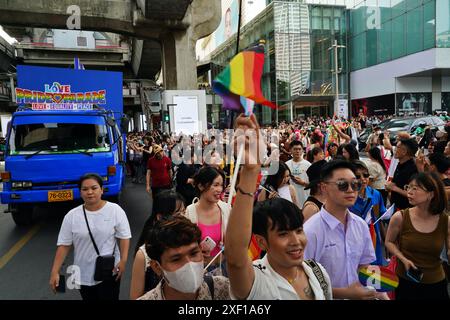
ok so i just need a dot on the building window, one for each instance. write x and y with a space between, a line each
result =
414 103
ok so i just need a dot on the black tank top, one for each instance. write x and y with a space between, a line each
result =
315 201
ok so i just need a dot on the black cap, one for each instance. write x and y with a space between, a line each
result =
313 173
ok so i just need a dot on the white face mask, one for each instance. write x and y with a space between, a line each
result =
186 279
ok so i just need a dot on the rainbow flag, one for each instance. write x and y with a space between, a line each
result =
242 78
375 234
253 249
380 278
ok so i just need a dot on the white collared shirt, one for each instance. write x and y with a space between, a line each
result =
340 250
269 285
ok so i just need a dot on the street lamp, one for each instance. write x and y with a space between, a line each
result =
336 71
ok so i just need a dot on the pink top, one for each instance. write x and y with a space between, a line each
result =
214 231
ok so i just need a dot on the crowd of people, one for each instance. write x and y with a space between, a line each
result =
299 224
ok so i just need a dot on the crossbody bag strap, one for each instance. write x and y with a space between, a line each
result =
90 233
319 275
210 282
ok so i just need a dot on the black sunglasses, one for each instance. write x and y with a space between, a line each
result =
365 175
343 185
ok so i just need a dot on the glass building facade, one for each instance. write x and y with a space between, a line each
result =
297 72
385 30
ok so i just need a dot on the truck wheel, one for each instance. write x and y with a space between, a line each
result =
22 215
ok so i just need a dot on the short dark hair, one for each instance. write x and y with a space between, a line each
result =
432 183
411 145
330 167
441 162
206 177
171 233
93 176
296 143
283 215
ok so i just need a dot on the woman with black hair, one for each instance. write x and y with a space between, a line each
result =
416 237
377 171
95 228
166 204
279 186
348 152
209 212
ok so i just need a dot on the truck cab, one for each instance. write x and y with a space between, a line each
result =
48 151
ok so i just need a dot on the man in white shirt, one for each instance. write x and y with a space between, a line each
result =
298 167
278 228
337 238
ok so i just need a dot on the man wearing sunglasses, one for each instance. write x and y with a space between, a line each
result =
370 202
405 152
337 238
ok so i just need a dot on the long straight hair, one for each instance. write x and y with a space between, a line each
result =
375 153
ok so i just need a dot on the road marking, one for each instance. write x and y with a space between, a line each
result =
18 246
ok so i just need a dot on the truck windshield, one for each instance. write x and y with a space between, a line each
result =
46 138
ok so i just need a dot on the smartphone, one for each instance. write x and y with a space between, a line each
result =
415 275
61 288
208 244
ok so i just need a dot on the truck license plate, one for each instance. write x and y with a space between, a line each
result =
56 196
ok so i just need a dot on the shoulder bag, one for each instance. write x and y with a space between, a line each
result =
104 265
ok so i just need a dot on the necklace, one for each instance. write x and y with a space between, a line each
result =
308 292
291 281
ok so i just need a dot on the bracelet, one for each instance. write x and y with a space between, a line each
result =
250 194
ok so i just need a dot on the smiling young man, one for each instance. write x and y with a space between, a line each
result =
175 253
278 227
337 238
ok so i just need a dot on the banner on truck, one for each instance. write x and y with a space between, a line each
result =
47 88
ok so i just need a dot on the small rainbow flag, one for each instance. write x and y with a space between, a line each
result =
380 278
242 78
254 250
248 106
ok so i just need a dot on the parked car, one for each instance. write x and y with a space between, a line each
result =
409 124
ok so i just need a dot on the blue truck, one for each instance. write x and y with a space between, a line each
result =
48 151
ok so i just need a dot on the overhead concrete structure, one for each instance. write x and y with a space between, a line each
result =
7 56
175 24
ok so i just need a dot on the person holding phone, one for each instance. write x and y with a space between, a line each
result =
111 232
210 213
279 186
416 237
